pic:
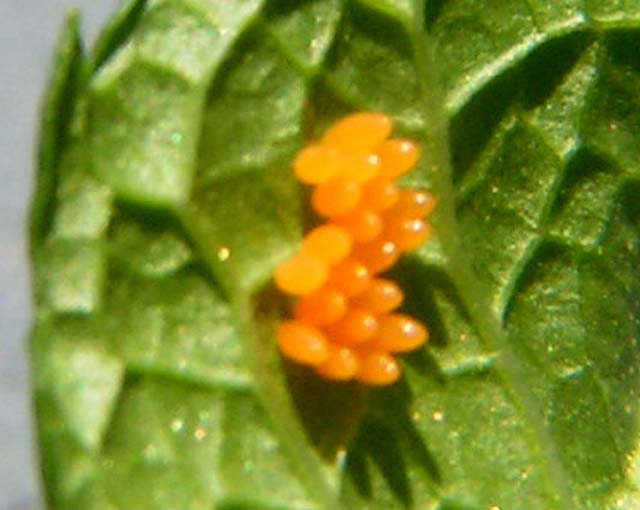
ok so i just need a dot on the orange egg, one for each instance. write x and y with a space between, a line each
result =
302 343
359 167
329 243
397 157
377 256
399 333
362 224
341 365
359 132
336 197
381 296
322 307
414 204
407 234
378 369
356 327
317 164
349 277
379 195
301 274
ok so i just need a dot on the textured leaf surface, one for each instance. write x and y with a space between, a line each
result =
165 200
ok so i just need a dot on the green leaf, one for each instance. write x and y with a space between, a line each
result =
165 199
56 112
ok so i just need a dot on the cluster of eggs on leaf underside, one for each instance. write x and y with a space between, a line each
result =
344 322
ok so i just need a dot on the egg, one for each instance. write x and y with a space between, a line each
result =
345 325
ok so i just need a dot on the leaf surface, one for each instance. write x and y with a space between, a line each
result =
165 200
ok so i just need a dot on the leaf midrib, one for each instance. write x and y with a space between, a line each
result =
472 294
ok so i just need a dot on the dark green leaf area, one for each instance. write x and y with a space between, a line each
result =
580 215
257 102
612 120
474 37
587 344
550 224
304 30
554 247
166 200
508 197
259 95
371 66
502 478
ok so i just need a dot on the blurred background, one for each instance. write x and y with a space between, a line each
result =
28 31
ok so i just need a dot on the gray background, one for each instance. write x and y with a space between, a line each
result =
28 31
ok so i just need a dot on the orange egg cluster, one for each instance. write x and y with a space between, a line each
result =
344 325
